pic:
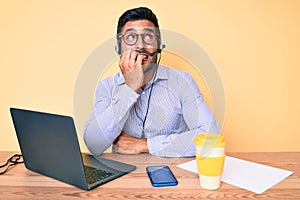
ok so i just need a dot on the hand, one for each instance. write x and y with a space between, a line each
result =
127 144
131 67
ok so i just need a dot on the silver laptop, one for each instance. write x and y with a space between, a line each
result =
49 146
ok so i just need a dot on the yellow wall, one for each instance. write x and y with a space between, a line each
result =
255 45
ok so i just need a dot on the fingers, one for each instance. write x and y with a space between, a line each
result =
139 59
116 149
127 60
132 70
130 59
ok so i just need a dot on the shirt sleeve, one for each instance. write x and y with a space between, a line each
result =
197 117
110 112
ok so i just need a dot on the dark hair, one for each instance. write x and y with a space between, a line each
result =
141 13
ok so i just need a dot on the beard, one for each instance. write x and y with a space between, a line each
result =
149 62
149 67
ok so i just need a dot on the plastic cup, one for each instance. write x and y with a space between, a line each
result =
210 155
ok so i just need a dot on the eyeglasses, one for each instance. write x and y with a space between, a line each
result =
14 160
131 37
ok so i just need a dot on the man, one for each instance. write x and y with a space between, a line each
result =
146 108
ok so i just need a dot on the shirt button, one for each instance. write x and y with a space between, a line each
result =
143 92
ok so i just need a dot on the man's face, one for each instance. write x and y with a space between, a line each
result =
140 35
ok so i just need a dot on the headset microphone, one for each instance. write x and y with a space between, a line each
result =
158 50
143 51
161 48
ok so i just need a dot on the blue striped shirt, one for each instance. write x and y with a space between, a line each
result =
176 114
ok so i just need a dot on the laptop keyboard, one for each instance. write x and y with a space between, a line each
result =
93 175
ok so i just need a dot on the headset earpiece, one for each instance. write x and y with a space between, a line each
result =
160 45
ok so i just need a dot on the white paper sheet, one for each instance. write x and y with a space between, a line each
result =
247 175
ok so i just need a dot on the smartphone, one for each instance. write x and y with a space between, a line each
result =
161 176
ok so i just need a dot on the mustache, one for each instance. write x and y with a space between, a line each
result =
147 53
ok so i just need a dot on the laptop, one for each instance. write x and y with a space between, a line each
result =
49 146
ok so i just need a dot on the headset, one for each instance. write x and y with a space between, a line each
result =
159 44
